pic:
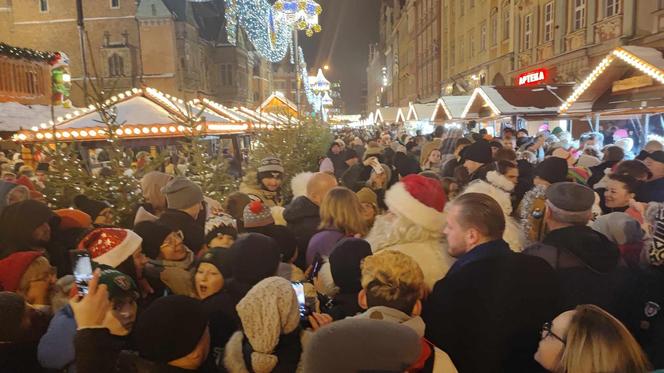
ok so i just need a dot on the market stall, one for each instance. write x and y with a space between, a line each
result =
390 115
448 110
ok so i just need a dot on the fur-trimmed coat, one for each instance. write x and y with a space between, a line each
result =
499 188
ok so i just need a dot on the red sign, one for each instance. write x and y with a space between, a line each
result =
533 77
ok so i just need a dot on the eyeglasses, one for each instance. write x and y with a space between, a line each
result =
546 332
178 235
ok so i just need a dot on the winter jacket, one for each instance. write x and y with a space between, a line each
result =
303 218
499 188
288 352
342 306
486 314
598 172
251 187
339 163
176 276
20 356
431 256
588 268
194 231
322 243
56 347
450 166
652 191
222 326
406 164
441 361
355 178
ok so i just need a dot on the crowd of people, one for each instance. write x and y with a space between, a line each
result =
450 252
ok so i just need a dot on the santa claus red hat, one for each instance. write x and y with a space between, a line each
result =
14 266
110 246
419 199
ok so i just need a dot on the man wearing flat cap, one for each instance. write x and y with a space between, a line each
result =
587 263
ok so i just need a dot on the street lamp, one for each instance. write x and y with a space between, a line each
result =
326 67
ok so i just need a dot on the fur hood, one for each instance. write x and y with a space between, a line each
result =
299 183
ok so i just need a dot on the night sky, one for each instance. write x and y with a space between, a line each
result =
349 26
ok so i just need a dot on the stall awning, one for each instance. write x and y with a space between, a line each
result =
139 113
421 112
15 116
488 102
449 108
280 104
390 115
629 80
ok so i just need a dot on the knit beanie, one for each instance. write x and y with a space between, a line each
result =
345 260
19 220
366 346
552 169
221 258
89 206
570 197
12 311
479 151
13 267
220 225
366 195
256 257
579 175
256 214
170 328
110 246
153 235
270 164
72 218
419 199
269 310
182 193
118 284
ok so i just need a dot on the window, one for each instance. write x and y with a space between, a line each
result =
483 37
494 29
227 75
548 22
527 31
612 7
461 7
43 6
115 66
579 18
506 22
115 4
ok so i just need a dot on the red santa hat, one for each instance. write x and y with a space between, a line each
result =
14 266
110 246
419 199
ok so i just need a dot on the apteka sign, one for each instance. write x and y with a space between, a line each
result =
533 77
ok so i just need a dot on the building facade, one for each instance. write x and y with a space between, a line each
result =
179 47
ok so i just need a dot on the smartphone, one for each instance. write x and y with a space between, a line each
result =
82 268
305 311
316 266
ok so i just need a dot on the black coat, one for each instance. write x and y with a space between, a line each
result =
303 218
194 231
652 191
487 315
597 172
587 266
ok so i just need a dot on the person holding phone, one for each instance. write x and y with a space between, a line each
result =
56 347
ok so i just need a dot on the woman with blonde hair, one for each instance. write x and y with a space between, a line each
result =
589 340
340 216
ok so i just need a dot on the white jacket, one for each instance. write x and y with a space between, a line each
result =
431 256
499 188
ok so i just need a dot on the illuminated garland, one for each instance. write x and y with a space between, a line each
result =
25 53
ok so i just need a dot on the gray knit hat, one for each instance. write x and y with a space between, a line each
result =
571 197
366 346
182 193
270 164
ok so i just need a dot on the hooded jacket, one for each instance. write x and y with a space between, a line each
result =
499 188
587 265
303 218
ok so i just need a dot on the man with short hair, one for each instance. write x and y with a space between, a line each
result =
487 310
653 190
585 261
303 213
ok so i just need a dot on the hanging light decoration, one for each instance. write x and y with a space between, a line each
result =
300 14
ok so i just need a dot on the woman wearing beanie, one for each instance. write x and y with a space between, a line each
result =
169 260
258 219
266 186
499 185
341 216
56 347
270 336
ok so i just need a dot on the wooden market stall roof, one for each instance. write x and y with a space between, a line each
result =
390 115
278 103
449 108
141 113
534 101
15 116
629 80
421 112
